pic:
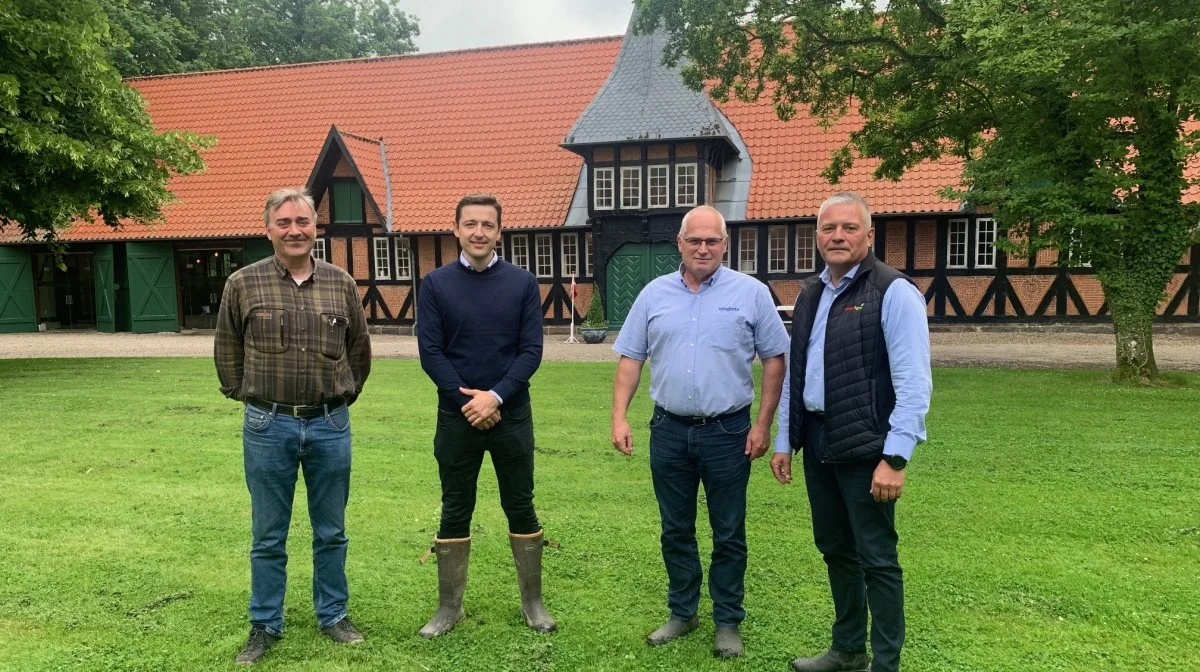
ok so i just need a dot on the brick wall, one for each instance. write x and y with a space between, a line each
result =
926 244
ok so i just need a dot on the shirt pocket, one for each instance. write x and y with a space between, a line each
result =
332 328
731 333
270 330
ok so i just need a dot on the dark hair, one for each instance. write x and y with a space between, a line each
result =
477 199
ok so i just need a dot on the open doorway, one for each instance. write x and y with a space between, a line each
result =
66 297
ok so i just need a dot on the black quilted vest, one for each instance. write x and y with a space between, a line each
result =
859 396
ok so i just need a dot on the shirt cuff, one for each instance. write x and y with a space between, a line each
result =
497 396
895 444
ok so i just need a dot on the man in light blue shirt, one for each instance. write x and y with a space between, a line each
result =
701 328
857 391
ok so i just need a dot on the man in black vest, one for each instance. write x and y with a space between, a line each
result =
854 405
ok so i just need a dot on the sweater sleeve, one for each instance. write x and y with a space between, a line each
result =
431 343
529 343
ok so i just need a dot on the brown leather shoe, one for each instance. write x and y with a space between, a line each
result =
344 632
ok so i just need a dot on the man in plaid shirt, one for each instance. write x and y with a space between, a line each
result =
292 345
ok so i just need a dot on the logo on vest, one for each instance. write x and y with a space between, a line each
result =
850 309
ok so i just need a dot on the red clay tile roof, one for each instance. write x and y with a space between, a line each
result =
789 156
367 156
453 122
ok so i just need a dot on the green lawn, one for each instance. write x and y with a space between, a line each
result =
1052 523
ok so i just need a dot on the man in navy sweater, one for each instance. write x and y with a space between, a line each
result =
479 331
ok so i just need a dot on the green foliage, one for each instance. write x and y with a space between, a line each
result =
165 36
1068 114
595 315
75 142
1031 539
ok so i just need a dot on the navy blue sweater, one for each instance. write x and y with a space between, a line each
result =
480 330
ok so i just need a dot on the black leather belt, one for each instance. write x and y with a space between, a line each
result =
695 420
297 411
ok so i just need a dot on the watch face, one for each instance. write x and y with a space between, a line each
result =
896 462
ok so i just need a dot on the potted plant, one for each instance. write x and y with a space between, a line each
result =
594 327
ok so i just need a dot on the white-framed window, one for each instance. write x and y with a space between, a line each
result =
658 195
777 249
570 254
1074 252
500 248
956 244
543 258
383 259
587 254
685 184
602 188
319 250
985 243
403 259
748 250
806 248
520 251
631 187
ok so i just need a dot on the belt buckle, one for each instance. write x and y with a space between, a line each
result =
700 422
296 412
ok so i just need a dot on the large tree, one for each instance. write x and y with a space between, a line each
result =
1071 116
165 36
75 142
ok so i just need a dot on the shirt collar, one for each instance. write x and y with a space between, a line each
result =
826 277
710 281
462 259
283 271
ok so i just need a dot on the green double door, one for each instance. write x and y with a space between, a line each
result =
630 269
17 311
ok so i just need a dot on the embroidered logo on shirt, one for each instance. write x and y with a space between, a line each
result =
733 309
848 309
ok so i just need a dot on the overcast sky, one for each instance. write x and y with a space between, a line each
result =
464 24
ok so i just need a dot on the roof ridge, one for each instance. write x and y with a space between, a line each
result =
389 57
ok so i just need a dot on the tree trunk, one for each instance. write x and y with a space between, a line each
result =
1135 345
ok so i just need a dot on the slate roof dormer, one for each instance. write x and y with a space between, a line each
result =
367 158
644 100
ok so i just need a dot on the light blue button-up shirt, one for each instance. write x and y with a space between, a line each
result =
701 344
906 332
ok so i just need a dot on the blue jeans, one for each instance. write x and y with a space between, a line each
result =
274 448
681 458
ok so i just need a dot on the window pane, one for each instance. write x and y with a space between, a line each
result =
570 254
777 249
544 260
685 184
383 259
658 187
319 249
520 251
631 188
748 250
985 243
587 254
602 188
956 244
403 261
806 248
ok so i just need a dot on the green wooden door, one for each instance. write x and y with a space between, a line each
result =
16 291
629 270
152 295
104 273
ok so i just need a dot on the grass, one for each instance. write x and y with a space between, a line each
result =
1051 523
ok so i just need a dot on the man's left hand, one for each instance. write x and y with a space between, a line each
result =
758 440
887 483
481 409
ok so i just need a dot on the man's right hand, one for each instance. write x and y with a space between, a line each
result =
781 466
622 436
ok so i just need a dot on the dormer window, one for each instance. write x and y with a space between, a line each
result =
659 194
602 187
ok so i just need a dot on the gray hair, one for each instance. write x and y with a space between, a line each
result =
288 195
847 198
703 208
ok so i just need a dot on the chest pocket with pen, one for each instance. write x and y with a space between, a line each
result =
333 334
270 330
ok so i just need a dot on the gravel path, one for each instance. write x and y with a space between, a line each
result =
959 348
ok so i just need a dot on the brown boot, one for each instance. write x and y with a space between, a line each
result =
453 556
527 554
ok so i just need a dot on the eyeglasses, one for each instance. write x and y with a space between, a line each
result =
696 242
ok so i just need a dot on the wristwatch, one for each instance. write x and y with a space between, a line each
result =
895 461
